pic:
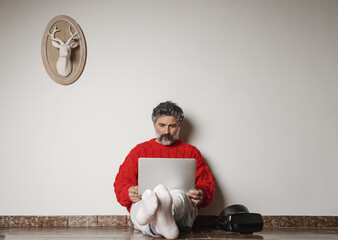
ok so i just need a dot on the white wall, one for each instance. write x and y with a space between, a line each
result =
257 81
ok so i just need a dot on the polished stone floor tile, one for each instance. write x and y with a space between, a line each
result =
116 233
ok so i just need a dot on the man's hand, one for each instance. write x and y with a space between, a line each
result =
196 196
133 194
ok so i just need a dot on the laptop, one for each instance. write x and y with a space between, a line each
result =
174 173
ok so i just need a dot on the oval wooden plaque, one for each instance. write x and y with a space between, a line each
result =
62 30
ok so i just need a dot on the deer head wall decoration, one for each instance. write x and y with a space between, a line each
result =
63 50
64 63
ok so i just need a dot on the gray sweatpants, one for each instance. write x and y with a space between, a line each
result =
183 210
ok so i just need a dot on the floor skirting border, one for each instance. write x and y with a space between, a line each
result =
202 221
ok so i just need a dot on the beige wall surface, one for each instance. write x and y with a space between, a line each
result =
257 81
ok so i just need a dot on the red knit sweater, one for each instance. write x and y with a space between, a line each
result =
128 172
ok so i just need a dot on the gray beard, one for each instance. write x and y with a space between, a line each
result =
169 139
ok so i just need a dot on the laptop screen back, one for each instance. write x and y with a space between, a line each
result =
174 173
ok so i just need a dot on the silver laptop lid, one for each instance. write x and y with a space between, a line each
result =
174 173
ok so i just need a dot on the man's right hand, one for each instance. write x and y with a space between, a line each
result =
133 194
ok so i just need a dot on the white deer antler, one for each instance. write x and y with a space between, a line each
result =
54 38
73 36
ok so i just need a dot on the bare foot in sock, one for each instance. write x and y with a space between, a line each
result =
164 222
150 204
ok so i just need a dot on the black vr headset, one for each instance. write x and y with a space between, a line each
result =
238 219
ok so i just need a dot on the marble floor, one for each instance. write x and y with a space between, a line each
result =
114 233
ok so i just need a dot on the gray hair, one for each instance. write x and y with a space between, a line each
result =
168 108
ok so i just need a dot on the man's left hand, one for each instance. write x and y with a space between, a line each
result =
196 196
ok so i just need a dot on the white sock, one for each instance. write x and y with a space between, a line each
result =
150 204
163 223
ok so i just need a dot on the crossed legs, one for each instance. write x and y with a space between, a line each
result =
156 210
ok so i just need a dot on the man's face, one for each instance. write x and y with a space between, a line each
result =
167 130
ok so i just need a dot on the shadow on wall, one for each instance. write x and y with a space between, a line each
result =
187 130
219 202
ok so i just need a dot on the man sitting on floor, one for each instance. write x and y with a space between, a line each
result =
159 212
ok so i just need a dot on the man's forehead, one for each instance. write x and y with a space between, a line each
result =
166 119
